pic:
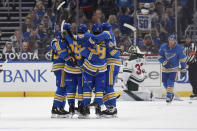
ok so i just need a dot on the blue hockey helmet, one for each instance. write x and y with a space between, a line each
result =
97 28
67 26
106 26
172 37
82 28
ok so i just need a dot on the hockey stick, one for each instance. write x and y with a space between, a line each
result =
60 5
134 31
134 96
57 15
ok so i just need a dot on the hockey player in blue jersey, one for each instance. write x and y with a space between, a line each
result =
73 76
170 55
95 61
84 39
59 55
113 65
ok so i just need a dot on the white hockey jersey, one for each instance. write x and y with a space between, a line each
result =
144 21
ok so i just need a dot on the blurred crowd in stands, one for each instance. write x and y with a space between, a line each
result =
42 23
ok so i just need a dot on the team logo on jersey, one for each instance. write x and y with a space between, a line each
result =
169 55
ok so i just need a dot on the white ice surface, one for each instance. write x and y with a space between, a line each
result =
33 114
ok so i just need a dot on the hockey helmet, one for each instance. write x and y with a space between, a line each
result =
67 26
106 26
132 49
97 28
82 28
172 37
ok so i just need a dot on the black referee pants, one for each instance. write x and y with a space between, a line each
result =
193 76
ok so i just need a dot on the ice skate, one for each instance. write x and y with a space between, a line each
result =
72 109
110 112
84 113
169 98
59 113
193 97
98 112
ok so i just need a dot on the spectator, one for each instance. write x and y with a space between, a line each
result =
147 45
124 3
51 16
47 25
155 38
33 41
28 26
108 8
87 7
125 43
15 39
99 14
125 18
170 21
39 9
95 19
43 36
162 33
158 14
117 35
27 53
25 47
74 28
34 18
113 21
8 48
9 51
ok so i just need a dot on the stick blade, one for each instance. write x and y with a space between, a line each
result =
130 26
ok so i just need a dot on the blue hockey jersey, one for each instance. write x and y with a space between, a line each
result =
85 40
97 60
59 54
174 56
113 55
75 48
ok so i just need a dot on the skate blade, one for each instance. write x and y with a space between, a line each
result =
169 103
63 116
194 98
54 116
83 117
71 115
109 116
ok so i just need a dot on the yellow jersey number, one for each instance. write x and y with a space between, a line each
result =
101 51
77 50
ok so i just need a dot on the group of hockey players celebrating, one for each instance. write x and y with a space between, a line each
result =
85 64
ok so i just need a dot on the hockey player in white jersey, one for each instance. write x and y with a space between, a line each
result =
133 70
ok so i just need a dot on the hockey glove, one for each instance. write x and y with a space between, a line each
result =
93 57
166 63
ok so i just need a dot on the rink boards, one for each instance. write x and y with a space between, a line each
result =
21 79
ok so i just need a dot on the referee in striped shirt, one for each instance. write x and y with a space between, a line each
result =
191 53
